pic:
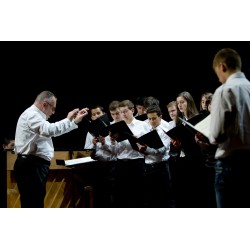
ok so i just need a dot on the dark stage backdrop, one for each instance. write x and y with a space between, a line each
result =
83 73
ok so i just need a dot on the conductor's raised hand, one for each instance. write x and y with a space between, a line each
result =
72 114
80 114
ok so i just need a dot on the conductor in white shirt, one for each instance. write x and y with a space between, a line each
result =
34 146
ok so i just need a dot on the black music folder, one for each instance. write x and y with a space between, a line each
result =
151 139
142 117
99 127
186 135
121 129
197 118
181 132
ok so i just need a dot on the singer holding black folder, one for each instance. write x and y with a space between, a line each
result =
189 177
157 176
107 162
95 112
97 138
129 169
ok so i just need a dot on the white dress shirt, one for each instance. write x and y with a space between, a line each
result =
123 149
161 154
164 125
34 132
102 152
230 116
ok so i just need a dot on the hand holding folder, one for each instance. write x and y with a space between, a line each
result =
99 127
181 133
188 128
120 130
186 134
151 139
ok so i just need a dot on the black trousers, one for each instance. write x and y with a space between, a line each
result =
157 185
232 186
31 175
128 188
104 185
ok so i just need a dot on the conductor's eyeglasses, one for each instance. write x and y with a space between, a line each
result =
52 107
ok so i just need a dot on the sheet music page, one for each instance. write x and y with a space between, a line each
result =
202 126
78 161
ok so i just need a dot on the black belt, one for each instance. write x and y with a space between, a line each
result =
157 164
34 158
129 160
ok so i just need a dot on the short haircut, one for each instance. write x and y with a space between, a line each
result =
114 105
151 100
140 100
170 104
96 106
154 109
127 103
45 96
228 56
